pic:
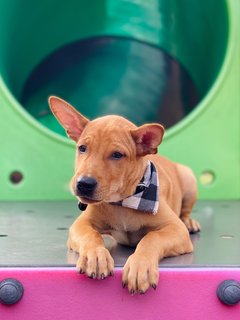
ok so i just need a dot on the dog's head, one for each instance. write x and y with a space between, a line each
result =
110 153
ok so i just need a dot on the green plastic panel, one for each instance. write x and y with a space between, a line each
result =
203 37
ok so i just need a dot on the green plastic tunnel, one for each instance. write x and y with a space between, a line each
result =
145 60
170 61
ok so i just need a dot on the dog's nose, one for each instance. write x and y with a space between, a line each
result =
86 186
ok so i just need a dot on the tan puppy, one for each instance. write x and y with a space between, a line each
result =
112 158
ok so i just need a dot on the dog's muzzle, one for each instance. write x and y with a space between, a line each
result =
86 186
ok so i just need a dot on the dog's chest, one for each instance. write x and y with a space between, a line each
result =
126 237
127 229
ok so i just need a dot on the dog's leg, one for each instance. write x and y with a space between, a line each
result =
189 185
141 269
94 259
187 205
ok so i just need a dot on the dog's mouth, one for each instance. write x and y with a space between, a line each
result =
88 200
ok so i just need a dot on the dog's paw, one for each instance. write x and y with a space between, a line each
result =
71 245
192 225
96 263
140 273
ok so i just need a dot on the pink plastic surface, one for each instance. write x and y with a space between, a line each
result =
62 294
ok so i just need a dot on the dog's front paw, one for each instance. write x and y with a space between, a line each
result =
140 273
192 225
95 262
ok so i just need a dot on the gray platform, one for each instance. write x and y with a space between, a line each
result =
35 233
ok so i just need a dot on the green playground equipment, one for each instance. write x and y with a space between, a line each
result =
177 62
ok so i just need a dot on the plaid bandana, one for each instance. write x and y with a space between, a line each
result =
145 197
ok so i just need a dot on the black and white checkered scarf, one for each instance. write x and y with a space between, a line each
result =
146 196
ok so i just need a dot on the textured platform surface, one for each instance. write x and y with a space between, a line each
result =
35 233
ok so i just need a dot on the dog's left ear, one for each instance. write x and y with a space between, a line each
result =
147 138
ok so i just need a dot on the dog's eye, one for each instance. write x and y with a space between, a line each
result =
117 155
82 148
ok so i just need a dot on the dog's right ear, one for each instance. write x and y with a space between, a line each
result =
72 121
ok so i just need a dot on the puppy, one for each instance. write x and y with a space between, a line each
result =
132 193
